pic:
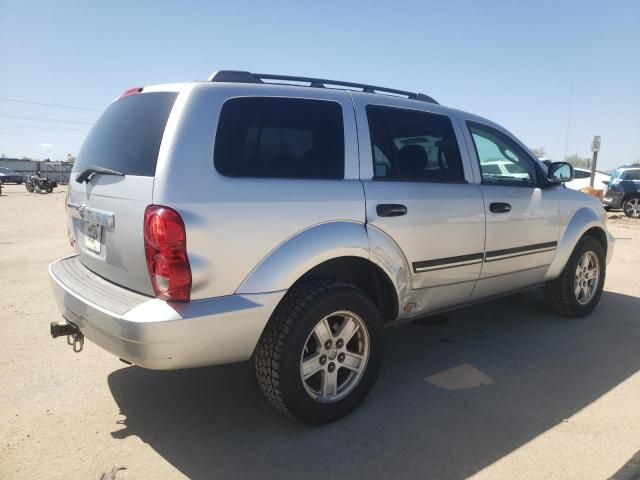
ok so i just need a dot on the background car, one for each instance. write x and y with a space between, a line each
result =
9 176
624 191
582 177
503 168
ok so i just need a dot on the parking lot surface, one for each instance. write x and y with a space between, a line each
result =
501 390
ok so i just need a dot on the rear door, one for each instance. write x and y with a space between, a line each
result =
418 192
107 211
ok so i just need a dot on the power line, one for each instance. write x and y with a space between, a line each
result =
57 105
566 143
78 128
39 132
49 128
44 119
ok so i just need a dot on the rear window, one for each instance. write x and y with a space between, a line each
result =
280 138
127 136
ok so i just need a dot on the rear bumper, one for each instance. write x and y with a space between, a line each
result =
156 334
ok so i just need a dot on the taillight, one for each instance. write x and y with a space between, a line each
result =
165 245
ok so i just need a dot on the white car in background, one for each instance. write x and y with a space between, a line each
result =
581 180
503 168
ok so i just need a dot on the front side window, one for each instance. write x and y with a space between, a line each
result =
413 146
502 161
581 174
272 137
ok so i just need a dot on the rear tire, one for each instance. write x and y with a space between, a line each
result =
321 351
577 291
631 206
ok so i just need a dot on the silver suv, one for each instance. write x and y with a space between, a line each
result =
290 219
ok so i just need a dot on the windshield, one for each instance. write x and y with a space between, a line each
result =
127 136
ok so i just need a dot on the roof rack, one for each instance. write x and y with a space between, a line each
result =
236 76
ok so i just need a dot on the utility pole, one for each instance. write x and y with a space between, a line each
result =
566 143
595 148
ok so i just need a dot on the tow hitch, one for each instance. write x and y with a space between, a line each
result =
74 336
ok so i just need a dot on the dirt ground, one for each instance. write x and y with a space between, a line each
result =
504 390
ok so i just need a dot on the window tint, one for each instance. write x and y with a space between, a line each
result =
412 145
631 175
502 161
127 136
280 138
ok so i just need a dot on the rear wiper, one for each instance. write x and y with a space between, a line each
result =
91 170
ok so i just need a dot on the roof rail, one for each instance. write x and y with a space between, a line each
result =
236 76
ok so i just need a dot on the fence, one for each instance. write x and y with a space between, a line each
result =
56 171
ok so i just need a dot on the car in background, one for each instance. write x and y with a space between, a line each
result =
9 176
624 191
582 178
503 168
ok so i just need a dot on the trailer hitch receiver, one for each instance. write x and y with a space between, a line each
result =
74 336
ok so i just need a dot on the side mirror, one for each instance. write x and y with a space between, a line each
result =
560 172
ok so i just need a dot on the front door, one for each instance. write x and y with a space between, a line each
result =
417 193
522 216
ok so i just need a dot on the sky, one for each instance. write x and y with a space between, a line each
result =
515 63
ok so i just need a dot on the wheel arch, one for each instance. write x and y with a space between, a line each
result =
584 222
343 251
361 273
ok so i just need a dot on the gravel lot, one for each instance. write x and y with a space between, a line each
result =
504 390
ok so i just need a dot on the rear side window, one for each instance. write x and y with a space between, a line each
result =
127 136
581 174
413 146
280 138
631 175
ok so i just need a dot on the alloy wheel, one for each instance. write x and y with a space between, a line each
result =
587 277
334 356
632 207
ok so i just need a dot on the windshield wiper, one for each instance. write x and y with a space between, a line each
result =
92 170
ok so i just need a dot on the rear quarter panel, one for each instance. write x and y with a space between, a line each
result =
234 223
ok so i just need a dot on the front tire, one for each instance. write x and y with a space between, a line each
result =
321 351
577 291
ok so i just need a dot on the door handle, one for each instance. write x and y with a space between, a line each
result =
391 210
500 207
